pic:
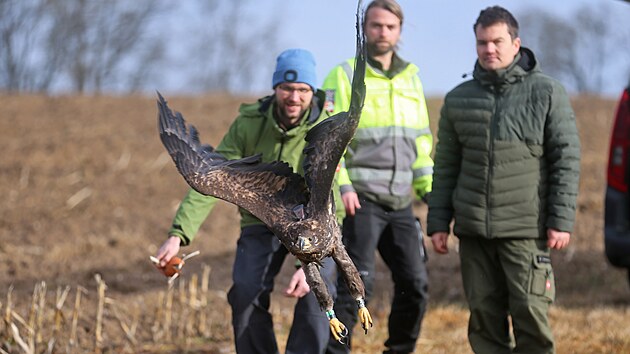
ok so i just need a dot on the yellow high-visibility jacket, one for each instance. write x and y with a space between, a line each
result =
389 157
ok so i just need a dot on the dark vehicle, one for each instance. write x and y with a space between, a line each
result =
617 215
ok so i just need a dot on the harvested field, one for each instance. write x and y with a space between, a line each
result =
89 193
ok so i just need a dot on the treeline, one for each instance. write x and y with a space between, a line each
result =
120 46
89 46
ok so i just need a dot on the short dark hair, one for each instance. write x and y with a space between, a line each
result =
389 5
496 14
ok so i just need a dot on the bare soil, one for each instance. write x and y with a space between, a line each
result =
88 189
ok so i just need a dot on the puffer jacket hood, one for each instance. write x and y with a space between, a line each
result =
524 63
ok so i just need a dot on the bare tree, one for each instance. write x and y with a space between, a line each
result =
92 46
581 52
231 46
96 39
553 40
20 23
78 45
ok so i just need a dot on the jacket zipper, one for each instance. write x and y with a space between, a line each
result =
394 147
282 141
493 123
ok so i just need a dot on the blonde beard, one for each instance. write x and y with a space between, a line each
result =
374 51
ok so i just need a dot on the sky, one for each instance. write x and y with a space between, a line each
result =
437 34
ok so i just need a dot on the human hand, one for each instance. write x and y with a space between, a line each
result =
557 239
169 248
350 202
439 240
298 287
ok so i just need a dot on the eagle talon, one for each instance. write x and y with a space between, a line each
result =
339 331
364 316
344 337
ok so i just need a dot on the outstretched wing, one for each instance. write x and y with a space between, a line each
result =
270 191
328 140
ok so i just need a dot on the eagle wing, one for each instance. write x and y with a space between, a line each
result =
328 140
270 191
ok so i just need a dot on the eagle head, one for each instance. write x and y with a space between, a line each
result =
305 236
304 243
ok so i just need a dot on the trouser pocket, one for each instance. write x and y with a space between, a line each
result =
541 281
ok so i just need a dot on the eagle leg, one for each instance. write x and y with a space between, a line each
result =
318 287
353 281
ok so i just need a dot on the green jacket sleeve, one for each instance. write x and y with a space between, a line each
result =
446 171
562 148
233 143
195 207
192 212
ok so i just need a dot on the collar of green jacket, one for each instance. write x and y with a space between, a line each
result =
396 67
524 64
268 102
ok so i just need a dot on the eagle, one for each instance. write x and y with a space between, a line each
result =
299 210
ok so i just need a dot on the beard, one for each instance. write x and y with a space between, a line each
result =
380 48
289 118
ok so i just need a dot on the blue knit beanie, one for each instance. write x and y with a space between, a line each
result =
295 65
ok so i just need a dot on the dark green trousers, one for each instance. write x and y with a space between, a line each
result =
508 278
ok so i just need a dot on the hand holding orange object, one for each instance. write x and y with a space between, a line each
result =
174 266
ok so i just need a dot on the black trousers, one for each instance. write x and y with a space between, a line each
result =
394 234
259 258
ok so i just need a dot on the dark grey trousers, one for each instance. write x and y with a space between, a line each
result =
259 258
394 234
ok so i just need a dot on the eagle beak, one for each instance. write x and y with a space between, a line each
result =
303 243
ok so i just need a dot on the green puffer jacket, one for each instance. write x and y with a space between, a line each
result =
507 161
254 131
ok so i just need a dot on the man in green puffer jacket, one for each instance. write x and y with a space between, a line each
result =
275 127
506 170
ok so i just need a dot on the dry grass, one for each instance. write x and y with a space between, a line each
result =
89 190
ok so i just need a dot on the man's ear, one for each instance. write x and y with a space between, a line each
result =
517 44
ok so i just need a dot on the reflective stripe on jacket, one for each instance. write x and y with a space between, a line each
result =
389 157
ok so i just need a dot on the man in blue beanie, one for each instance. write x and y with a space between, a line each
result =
274 126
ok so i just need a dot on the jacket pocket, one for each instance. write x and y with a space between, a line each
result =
541 279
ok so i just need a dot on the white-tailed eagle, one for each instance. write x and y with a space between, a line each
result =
300 211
